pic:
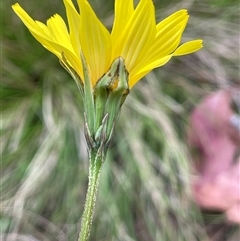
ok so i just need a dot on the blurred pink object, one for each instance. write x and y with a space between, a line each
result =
213 135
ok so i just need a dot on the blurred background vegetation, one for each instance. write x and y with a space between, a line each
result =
144 192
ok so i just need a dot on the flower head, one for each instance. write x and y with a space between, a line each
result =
135 36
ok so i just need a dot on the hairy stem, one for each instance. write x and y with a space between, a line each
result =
93 182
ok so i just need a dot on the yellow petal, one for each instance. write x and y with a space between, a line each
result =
188 47
43 27
28 21
166 23
169 33
95 42
37 29
74 23
134 78
123 12
168 36
58 31
46 37
137 35
58 50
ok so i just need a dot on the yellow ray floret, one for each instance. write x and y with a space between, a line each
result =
135 36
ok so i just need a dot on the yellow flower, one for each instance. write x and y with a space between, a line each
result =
135 36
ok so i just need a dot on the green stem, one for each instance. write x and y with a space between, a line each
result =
95 165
